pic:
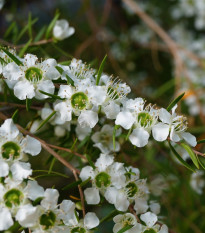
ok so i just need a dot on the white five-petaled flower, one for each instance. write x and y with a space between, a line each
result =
32 77
125 220
106 173
13 145
62 30
89 222
80 101
104 139
174 125
150 219
15 198
138 118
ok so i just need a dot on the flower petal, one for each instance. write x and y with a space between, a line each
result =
32 146
23 90
91 220
160 132
125 119
92 196
139 137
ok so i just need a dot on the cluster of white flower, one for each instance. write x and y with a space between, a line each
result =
85 99
22 199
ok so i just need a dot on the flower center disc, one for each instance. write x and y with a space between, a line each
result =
48 220
13 197
78 230
144 118
132 189
150 231
10 149
102 180
79 100
33 74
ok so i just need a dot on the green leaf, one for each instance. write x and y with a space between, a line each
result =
51 25
51 95
23 50
46 120
201 141
110 216
85 182
9 30
70 81
101 70
191 154
30 25
15 115
28 104
53 172
163 88
113 135
72 185
125 228
90 161
200 162
13 58
180 158
83 142
59 69
175 101
26 28
40 34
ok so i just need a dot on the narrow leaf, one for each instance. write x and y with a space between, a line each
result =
201 163
201 141
114 134
51 95
30 25
175 101
23 50
51 25
90 161
13 58
28 104
191 154
180 158
15 115
101 70
46 120
40 34
111 215
72 185
125 228
85 182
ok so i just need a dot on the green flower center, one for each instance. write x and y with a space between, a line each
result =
47 220
144 119
131 189
10 149
78 230
79 100
33 74
13 197
150 231
102 180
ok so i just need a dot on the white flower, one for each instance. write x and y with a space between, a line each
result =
106 173
173 124
62 30
89 222
139 118
79 72
79 101
104 139
13 145
150 220
32 76
124 220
